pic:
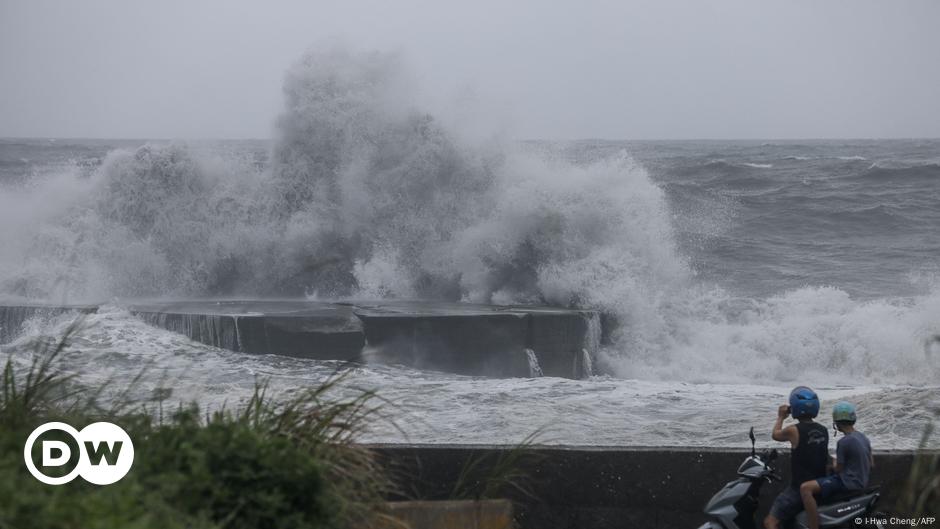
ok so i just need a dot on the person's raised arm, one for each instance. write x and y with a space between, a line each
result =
779 432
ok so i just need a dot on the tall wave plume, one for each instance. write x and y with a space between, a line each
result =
366 195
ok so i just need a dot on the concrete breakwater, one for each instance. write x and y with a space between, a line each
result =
12 317
604 487
470 339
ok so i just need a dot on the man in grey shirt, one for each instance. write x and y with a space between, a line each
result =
852 469
854 460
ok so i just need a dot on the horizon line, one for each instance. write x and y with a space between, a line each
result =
600 139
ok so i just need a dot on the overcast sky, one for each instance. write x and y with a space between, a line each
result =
587 69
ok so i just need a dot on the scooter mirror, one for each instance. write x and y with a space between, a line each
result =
753 440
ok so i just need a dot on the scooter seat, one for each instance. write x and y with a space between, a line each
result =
849 494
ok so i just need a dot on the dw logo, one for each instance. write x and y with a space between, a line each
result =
102 453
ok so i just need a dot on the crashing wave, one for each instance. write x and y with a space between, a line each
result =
367 196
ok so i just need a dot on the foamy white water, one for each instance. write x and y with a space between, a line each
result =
433 407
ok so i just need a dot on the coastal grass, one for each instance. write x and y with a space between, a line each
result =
507 473
264 465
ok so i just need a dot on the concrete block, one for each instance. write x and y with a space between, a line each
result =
462 338
13 316
481 344
483 514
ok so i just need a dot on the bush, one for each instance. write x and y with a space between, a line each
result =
266 465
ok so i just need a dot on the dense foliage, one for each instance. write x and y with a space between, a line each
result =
288 465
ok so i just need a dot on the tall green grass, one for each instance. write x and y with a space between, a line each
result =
267 464
505 474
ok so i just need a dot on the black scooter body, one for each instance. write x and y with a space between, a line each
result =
735 505
844 511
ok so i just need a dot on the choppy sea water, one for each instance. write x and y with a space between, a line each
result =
738 269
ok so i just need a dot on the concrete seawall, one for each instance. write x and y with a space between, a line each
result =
600 488
12 317
468 339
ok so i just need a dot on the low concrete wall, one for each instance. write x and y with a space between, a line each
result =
481 344
485 514
463 338
12 316
325 331
574 487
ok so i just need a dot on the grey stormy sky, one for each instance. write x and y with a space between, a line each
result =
632 69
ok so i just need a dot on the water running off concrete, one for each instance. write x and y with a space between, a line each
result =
470 339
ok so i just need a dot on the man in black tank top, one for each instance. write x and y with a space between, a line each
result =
809 452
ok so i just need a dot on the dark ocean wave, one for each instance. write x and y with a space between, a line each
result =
719 173
877 218
876 172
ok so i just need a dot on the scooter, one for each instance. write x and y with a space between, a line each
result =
735 505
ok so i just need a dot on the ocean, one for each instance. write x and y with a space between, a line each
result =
736 269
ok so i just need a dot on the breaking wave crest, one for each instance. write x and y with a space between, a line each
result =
366 196
891 173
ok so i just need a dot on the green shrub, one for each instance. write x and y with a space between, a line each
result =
277 465
228 471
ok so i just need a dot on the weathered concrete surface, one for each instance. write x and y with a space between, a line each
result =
478 339
469 339
472 340
588 487
553 335
12 316
485 514
325 331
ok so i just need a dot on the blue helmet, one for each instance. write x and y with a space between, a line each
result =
844 412
804 403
